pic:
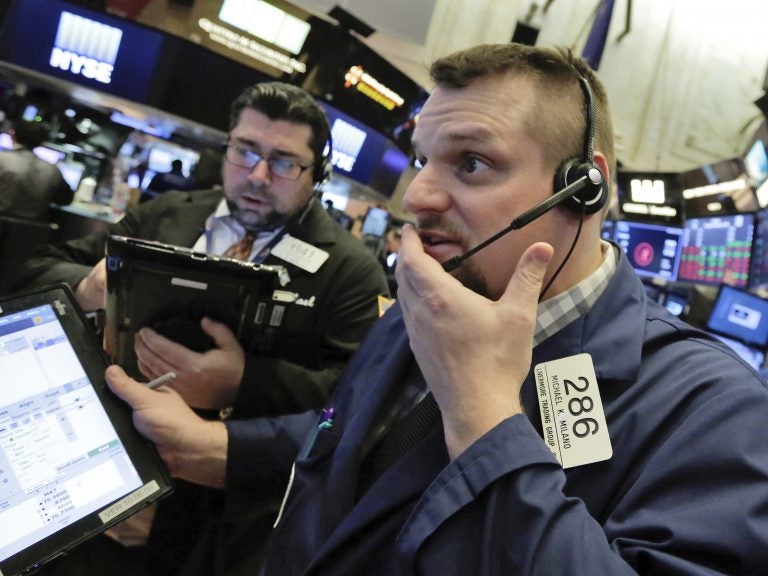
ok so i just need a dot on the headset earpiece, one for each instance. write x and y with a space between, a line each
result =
593 196
323 169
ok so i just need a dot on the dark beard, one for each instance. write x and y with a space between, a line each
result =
273 221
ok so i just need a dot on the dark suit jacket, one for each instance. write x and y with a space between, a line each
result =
28 185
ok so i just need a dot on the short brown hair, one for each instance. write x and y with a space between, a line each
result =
558 122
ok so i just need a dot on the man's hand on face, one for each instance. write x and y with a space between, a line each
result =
473 352
208 380
192 448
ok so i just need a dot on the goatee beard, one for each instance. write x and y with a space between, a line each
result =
270 222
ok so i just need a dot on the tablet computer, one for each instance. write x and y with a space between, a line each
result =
71 463
171 288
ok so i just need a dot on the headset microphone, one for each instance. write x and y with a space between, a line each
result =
593 177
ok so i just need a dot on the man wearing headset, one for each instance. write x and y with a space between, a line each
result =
530 412
273 162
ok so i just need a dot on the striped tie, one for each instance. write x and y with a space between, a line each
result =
241 250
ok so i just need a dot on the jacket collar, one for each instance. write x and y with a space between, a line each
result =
612 331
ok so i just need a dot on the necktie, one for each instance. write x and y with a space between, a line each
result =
241 250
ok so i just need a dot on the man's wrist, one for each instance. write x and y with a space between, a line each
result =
205 462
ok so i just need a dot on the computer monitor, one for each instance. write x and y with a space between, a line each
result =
162 153
717 249
375 222
678 303
756 163
653 250
758 268
741 315
72 173
50 155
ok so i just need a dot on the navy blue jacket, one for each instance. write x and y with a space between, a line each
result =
686 491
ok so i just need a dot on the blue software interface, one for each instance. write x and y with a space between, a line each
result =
60 456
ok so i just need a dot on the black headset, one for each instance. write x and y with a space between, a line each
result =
594 195
323 169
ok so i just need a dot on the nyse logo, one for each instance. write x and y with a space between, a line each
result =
347 142
86 47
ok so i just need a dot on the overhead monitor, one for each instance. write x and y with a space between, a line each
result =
362 153
653 250
717 249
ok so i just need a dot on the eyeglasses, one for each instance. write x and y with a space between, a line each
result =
247 158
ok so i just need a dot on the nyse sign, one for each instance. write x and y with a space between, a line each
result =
85 47
82 65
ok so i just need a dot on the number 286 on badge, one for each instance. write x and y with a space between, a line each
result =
572 417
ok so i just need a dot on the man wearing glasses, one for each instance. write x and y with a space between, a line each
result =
274 160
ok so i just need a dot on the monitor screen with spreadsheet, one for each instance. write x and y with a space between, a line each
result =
71 463
717 249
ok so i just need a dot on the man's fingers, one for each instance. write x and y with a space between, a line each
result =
221 334
126 388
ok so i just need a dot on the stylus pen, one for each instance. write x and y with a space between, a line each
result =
164 379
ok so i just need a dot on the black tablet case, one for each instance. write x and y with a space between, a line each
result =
171 288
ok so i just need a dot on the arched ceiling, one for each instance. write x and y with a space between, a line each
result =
682 81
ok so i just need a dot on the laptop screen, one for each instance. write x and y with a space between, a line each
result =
61 457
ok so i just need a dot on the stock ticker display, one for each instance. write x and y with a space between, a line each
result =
717 249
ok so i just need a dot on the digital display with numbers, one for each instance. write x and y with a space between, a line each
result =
717 250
